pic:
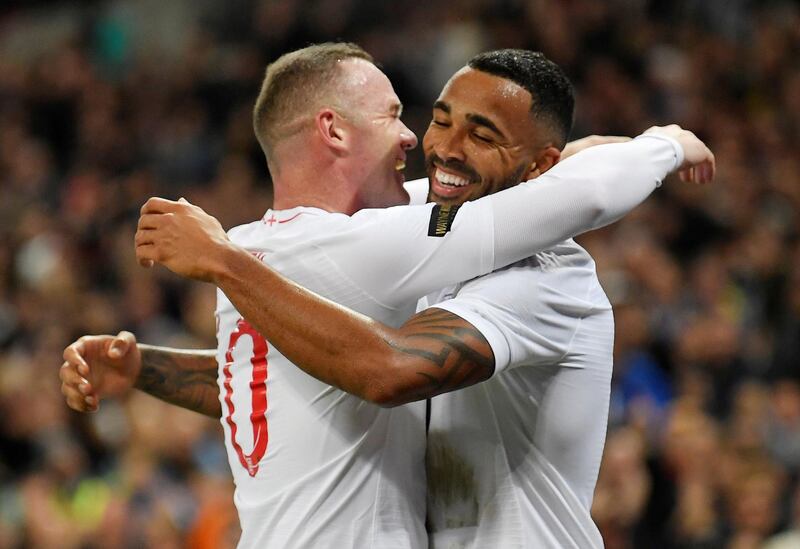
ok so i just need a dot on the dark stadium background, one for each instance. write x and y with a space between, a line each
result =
104 104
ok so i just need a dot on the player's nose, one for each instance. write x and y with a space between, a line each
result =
408 140
449 146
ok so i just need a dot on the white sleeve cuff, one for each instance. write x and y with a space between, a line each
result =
676 147
495 338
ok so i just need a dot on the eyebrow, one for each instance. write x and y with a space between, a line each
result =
477 119
480 120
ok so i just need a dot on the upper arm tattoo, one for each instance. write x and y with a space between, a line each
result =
454 353
185 378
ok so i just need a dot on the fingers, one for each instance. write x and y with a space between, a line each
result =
153 215
77 390
121 344
704 172
713 165
699 164
73 354
151 221
701 173
148 228
146 254
145 248
158 205
144 237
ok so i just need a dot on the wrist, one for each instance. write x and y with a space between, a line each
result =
227 263
677 147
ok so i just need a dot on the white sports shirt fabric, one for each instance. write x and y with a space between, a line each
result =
317 467
512 462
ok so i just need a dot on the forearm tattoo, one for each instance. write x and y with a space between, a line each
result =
455 354
185 378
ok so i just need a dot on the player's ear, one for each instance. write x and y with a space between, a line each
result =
332 130
547 158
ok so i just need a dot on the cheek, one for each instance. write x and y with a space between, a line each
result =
490 164
430 137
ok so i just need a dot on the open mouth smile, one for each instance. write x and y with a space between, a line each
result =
450 180
449 185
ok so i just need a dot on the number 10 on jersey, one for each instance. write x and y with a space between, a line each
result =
258 391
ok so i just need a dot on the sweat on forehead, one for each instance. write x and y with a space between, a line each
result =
484 91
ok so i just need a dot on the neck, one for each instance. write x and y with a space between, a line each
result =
326 188
326 183
335 204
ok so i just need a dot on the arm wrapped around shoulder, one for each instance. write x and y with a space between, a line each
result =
588 190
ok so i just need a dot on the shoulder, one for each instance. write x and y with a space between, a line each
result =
403 220
562 278
530 310
240 232
417 191
405 210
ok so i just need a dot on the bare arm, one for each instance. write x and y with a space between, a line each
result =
97 367
433 353
182 377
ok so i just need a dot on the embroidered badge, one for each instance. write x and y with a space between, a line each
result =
442 219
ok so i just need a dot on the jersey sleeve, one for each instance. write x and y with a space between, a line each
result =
588 190
528 312
408 251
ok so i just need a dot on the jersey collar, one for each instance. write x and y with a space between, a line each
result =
280 217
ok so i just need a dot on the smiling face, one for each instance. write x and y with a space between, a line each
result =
482 139
379 139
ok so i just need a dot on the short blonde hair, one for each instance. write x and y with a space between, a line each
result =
296 84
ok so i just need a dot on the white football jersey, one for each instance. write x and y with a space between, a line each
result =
513 462
317 467
313 465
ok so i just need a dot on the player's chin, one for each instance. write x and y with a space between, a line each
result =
447 200
395 195
452 196
404 197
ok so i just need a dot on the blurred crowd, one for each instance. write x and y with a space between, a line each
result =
106 103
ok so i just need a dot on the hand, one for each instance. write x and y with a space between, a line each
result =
590 141
180 236
699 165
97 367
